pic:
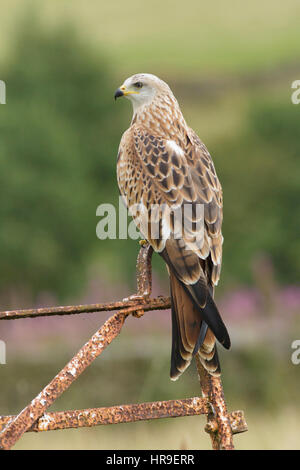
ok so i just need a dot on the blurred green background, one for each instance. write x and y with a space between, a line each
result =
231 65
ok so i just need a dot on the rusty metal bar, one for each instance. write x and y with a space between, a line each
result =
117 414
137 302
218 422
85 356
126 414
159 303
144 270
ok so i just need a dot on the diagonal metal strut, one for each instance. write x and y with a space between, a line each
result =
220 424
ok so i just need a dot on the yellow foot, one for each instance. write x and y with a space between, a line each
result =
137 297
143 242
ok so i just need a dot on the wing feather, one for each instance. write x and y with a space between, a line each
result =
173 175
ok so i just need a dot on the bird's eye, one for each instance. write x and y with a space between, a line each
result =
138 85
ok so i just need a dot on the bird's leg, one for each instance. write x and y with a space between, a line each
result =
144 275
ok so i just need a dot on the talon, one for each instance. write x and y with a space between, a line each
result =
137 297
143 242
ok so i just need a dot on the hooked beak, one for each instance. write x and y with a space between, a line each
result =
123 92
118 93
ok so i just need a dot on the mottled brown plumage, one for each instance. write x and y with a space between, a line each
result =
163 167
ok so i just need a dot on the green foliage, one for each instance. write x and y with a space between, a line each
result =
59 140
253 377
60 131
264 378
261 182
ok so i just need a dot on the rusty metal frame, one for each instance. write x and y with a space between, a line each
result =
221 425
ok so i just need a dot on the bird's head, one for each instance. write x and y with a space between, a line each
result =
142 88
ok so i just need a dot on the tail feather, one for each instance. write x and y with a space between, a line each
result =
192 294
201 337
208 354
210 314
190 333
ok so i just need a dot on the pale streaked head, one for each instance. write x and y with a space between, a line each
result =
142 88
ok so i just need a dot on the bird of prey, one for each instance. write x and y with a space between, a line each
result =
163 164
